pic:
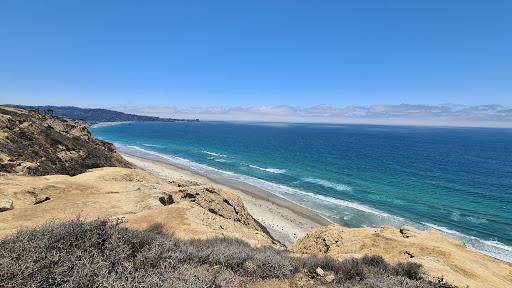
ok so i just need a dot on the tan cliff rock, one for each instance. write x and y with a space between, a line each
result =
139 198
42 145
442 257
144 201
35 144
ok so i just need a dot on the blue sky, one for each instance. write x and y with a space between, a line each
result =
255 53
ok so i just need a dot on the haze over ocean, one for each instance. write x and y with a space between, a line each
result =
455 179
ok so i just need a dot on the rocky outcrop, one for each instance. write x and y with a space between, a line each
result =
195 211
5 204
32 144
218 202
443 258
35 144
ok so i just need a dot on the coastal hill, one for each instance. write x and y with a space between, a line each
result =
95 115
442 258
119 226
38 144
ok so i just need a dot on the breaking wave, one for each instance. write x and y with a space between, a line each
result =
214 154
328 184
315 201
153 145
271 170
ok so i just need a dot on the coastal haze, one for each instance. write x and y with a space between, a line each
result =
450 115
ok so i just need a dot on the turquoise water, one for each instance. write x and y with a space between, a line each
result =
458 180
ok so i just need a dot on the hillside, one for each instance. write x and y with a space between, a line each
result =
174 233
124 227
94 115
35 144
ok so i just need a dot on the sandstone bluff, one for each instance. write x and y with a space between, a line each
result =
51 169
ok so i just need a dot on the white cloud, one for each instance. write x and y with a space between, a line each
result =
403 114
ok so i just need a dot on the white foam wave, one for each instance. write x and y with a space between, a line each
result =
476 220
222 160
354 205
473 219
214 154
152 145
200 168
328 184
276 189
491 248
271 170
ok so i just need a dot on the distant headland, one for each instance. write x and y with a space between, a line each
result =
93 116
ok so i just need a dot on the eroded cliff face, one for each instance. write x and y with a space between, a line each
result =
32 145
185 209
35 144
443 258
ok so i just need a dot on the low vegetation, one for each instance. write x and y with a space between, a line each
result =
93 115
38 145
102 253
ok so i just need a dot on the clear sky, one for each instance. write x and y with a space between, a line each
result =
250 53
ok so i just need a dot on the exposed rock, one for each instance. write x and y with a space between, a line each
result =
187 220
184 183
442 257
219 202
320 272
166 200
321 241
34 144
5 204
329 278
406 232
40 199
409 254
142 199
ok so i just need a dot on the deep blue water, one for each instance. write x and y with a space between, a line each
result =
456 179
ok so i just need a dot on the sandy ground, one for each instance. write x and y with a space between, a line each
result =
190 210
203 209
442 257
286 221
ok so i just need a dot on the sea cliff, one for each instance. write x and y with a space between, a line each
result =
53 170
37 144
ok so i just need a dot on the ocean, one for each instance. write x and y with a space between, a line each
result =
457 180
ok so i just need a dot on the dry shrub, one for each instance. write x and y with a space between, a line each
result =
367 272
101 253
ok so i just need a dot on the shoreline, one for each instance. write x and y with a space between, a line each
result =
285 220
101 124
264 206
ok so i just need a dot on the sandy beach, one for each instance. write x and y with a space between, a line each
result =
175 201
286 221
